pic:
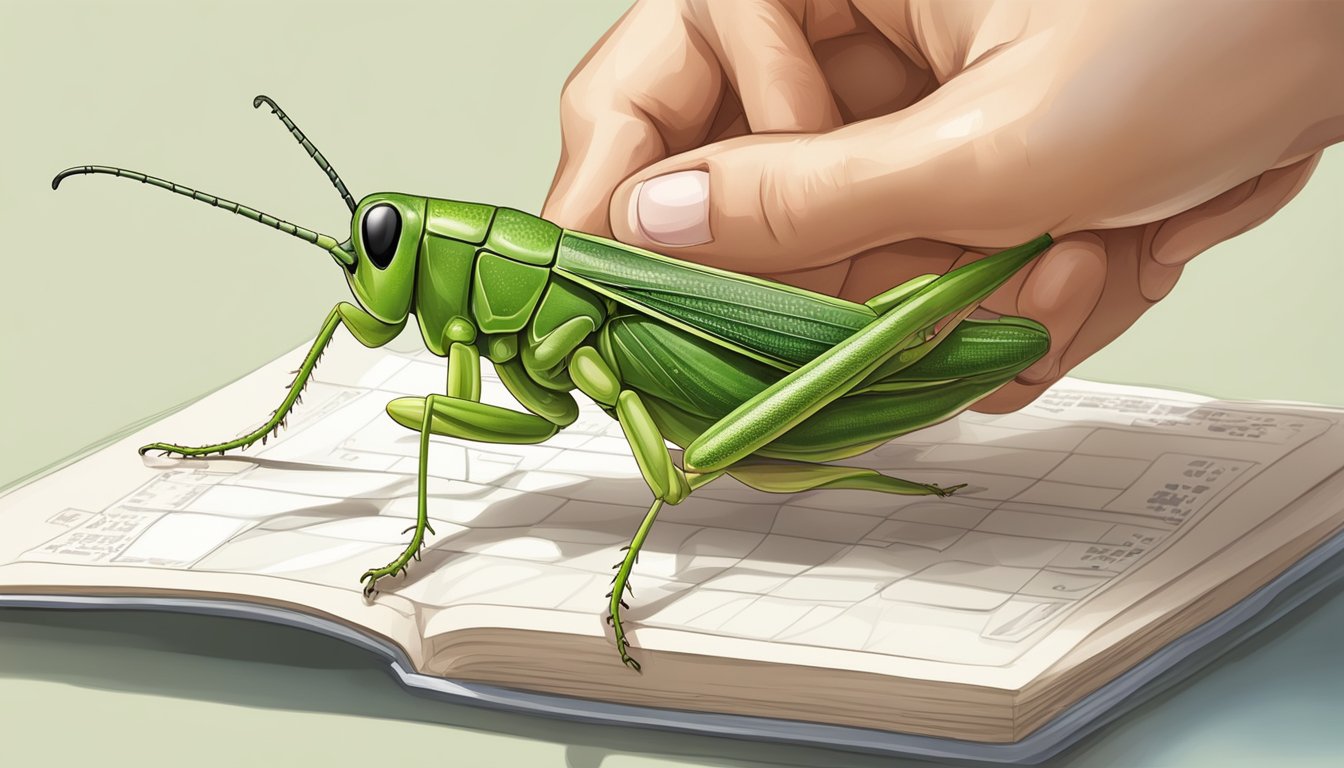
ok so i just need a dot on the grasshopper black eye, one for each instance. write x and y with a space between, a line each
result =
380 230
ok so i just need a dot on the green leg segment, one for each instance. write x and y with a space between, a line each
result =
893 335
367 329
669 484
470 420
799 476
457 414
421 510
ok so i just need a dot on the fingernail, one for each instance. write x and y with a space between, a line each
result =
673 209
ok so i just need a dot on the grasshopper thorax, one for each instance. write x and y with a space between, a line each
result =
481 273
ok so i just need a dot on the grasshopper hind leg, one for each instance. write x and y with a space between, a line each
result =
671 484
773 476
779 476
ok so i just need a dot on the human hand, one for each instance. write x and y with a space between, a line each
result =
846 147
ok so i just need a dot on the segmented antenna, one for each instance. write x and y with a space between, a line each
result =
327 242
308 145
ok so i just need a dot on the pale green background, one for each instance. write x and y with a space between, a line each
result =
119 302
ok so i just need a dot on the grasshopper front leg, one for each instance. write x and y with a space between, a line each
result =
370 332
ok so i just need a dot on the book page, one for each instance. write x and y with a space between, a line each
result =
1077 508
120 524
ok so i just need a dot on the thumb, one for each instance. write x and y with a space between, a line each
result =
741 204
945 168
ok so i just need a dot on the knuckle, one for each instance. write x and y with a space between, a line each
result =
778 207
576 104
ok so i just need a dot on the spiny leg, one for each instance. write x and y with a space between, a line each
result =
463 382
593 375
672 485
368 330
620 584
451 417
772 476
667 482
421 508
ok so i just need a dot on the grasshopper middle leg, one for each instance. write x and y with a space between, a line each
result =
671 484
668 482
451 417
460 414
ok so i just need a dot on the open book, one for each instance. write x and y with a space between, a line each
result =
1105 535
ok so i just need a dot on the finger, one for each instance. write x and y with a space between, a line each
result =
876 270
1061 293
729 122
1186 235
829 279
581 192
865 73
625 107
868 75
1159 266
791 201
779 87
770 63
1022 141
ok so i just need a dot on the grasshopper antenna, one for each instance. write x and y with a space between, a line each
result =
308 145
326 242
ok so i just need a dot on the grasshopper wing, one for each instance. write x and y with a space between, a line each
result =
768 321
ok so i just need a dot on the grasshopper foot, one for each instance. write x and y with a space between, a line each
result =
622 644
186 452
412 552
630 662
372 576
271 429
948 491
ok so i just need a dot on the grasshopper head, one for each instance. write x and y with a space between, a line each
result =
385 233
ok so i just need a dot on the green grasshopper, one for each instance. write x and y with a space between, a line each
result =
754 379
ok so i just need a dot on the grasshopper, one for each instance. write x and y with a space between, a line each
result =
757 380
